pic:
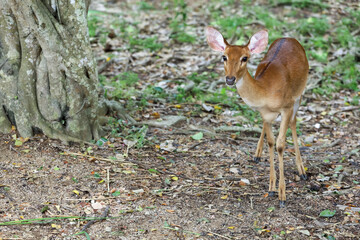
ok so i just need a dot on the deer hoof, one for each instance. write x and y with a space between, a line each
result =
303 177
272 193
257 159
282 204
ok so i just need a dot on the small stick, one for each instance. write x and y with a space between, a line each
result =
98 158
105 213
108 179
341 176
3 63
251 203
89 199
330 145
219 235
84 155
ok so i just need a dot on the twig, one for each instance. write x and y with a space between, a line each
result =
98 158
11 238
102 217
251 203
130 59
108 179
341 176
219 235
237 129
214 84
336 142
1 66
346 109
88 199
197 144
103 67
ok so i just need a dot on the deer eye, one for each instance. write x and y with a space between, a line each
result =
224 58
244 59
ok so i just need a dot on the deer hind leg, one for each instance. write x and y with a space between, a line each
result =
280 146
259 147
271 142
299 163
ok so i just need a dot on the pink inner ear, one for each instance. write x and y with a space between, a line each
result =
215 39
258 42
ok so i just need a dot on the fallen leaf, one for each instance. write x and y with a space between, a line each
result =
55 226
97 205
197 136
224 197
327 213
305 232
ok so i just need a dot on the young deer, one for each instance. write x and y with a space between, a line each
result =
276 89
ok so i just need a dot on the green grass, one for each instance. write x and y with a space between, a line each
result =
313 26
179 25
150 43
95 23
120 128
320 36
146 6
313 5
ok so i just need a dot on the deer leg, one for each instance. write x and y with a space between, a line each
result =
271 142
259 147
299 163
280 146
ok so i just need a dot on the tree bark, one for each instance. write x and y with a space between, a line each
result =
48 77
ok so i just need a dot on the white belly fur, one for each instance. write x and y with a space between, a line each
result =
258 105
252 104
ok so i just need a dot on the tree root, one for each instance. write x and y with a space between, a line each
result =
102 217
116 107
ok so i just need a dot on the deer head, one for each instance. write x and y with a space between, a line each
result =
235 57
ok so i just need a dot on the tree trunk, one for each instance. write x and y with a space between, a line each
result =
48 77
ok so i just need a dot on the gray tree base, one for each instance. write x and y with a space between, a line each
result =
48 73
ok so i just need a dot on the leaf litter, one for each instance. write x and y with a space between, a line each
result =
194 162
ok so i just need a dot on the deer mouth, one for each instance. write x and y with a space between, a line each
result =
230 81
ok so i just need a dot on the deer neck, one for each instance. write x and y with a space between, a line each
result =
250 90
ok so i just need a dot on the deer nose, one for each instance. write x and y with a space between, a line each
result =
230 80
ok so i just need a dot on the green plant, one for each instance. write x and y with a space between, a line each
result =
95 20
313 26
230 26
150 43
127 79
197 78
145 6
314 5
120 128
123 85
178 23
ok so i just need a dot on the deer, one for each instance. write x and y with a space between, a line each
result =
276 89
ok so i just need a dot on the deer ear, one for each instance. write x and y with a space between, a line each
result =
215 40
258 42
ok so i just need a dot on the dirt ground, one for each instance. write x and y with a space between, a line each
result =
176 187
198 191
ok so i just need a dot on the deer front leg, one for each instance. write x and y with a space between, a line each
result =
280 146
259 147
271 142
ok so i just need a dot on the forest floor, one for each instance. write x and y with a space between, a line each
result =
195 178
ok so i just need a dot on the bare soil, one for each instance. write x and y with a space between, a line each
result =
208 199
176 187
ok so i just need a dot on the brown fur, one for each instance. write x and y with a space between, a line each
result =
279 81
